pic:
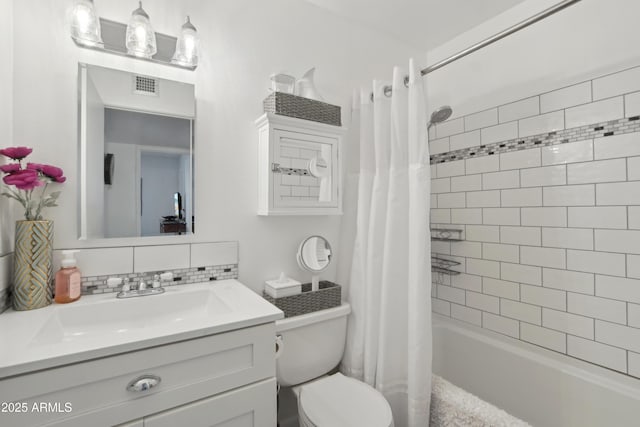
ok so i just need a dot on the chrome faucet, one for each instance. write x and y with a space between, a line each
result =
142 290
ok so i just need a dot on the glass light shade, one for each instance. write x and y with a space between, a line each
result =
187 46
140 38
84 23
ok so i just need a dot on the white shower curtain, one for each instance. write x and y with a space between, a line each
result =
389 335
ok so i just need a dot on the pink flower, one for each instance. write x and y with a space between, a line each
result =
53 172
35 166
13 167
16 153
24 179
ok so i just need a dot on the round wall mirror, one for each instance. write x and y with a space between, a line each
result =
314 254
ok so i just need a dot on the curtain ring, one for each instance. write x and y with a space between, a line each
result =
388 90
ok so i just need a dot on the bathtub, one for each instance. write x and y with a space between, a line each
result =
537 385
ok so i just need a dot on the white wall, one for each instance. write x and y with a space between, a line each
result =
160 181
586 40
120 197
130 127
243 42
6 116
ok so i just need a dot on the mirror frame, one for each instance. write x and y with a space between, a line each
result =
125 64
300 258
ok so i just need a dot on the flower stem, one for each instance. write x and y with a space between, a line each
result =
44 190
27 213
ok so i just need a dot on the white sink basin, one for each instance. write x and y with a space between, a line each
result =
103 325
178 305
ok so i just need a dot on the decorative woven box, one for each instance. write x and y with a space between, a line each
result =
328 296
286 104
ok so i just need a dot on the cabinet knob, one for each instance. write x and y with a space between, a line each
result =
143 383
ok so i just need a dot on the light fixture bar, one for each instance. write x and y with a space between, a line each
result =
114 36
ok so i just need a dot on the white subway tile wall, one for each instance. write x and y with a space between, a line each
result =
565 97
520 159
498 133
519 109
218 253
552 229
156 258
440 145
92 261
579 151
632 104
450 127
595 112
535 125
481 119
464 140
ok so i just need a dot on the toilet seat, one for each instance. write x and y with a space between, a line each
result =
339 401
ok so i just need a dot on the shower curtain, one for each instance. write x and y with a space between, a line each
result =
389 333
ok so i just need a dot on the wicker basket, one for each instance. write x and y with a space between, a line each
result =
285 104
328 296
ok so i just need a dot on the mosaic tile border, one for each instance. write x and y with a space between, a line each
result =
184 276
596 130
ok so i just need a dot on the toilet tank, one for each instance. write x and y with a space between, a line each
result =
312 344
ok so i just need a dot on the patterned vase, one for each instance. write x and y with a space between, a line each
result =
33 265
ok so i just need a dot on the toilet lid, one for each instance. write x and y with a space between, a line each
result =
339 401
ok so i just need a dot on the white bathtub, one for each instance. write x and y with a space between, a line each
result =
539 386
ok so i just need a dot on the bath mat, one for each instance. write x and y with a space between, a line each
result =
451 406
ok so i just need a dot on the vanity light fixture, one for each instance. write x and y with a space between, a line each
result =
85 24
140 37
186 54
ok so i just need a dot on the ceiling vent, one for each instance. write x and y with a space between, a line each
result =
145 86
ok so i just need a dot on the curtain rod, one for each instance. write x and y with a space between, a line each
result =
502 34
490 40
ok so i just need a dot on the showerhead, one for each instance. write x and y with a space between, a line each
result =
440 115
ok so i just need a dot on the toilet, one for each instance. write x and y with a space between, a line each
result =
308 348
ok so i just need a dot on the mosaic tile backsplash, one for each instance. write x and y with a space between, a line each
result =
98 284
189 263
596 130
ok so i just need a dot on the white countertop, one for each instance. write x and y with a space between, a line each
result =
102 325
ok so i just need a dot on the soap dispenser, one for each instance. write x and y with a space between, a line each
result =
68 279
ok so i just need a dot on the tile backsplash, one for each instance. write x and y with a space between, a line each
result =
547 193
189 263
98 284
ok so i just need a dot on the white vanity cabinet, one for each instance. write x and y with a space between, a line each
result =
299 167
227 379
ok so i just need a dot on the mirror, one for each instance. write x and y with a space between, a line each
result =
314 255
136 162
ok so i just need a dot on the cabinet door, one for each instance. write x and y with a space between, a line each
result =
294 187
250 406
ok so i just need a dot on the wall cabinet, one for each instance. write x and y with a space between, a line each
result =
226 379
299 167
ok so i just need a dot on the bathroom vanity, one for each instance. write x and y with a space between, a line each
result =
196 355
